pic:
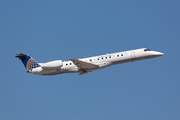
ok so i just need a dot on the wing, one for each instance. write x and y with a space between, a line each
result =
83 65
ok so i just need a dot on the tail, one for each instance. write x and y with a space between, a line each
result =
28 61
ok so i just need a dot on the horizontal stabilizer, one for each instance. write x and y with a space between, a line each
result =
21 56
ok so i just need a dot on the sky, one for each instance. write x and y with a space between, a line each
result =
60 30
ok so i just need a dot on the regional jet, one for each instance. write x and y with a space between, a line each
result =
85 65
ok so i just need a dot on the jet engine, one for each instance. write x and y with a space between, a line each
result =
52 65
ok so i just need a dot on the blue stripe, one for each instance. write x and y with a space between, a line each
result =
26 60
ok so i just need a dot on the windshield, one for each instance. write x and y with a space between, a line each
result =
147 50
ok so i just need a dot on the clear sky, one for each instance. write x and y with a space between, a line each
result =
52 30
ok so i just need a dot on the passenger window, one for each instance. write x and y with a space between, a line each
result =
98 58
66 64
102 57
106 57
117 55
90 60
121 54
109 56
70 63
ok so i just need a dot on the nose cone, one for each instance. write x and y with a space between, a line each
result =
157 54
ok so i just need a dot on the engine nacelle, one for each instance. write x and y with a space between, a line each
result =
52 65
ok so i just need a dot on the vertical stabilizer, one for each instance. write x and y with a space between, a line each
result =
28 61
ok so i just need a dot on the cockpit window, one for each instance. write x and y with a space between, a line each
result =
147 50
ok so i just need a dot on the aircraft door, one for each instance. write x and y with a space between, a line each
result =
133 54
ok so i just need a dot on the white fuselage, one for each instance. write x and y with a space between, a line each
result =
102 61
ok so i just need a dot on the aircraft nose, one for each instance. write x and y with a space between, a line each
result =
157 53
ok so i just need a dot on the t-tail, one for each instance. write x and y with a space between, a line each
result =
28 61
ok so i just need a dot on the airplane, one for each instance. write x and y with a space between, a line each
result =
85 65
